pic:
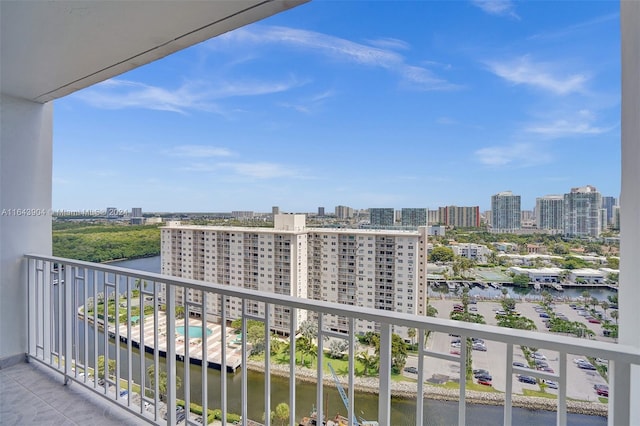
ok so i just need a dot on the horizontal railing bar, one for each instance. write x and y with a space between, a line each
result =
571 345
443 356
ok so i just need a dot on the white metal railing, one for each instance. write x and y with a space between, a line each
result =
71 328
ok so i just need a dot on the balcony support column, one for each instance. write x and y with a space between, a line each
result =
625 410
25 211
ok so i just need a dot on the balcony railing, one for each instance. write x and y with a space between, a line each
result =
85 317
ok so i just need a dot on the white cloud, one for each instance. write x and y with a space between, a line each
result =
379 54
390 43
540 75
578 124
197 151
261 170
497 7
193 95
514 155
586 25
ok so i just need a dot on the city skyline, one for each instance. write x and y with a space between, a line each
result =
417 104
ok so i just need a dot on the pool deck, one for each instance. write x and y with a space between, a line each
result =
193 347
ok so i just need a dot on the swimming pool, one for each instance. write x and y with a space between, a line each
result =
195 332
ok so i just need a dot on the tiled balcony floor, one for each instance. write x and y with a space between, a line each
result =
30 394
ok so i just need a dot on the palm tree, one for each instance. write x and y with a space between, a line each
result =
614 315
112 367
412 335
282 413
162 381
605 305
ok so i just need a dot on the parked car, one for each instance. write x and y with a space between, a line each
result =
527 379
551 384
594 320
180 414
541 363
546 369
586 366
479 371
544 315
479 347
411 370
486 377
484 381
538 355
519 364
602 390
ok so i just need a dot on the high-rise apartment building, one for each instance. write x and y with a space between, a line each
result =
414 217
582 211
460 217
433 217
382 217
273 260
320 211
608 203
344 212
550 213
136 216
505 212
380 269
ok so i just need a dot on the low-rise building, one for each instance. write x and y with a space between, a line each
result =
539 275
587 276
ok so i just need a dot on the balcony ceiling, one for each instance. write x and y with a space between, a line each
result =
53 48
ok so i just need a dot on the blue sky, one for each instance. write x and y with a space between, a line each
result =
358 103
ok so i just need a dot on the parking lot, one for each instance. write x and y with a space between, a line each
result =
580 382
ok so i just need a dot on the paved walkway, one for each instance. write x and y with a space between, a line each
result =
31 394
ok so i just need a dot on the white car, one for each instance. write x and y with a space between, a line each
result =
538 355
579 360
551 384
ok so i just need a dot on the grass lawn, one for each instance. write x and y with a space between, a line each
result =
471 385
529 392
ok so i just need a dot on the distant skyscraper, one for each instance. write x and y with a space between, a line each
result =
505 212
414 217
136 216
582 211
275 210
550 213
433 217
460 217
607 204
344 212
320 211
381 217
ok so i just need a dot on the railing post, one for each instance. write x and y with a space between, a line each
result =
352 369
293 325
562 392
171 354
320 373
384 395
508 394
619 394
68 320
420 394
32 306
464 353
267 366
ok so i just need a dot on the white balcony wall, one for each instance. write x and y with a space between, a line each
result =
25 200
629 294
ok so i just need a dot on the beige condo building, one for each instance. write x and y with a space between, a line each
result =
379 269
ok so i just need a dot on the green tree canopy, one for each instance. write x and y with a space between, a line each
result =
441 254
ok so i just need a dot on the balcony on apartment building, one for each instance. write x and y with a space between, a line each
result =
50 308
